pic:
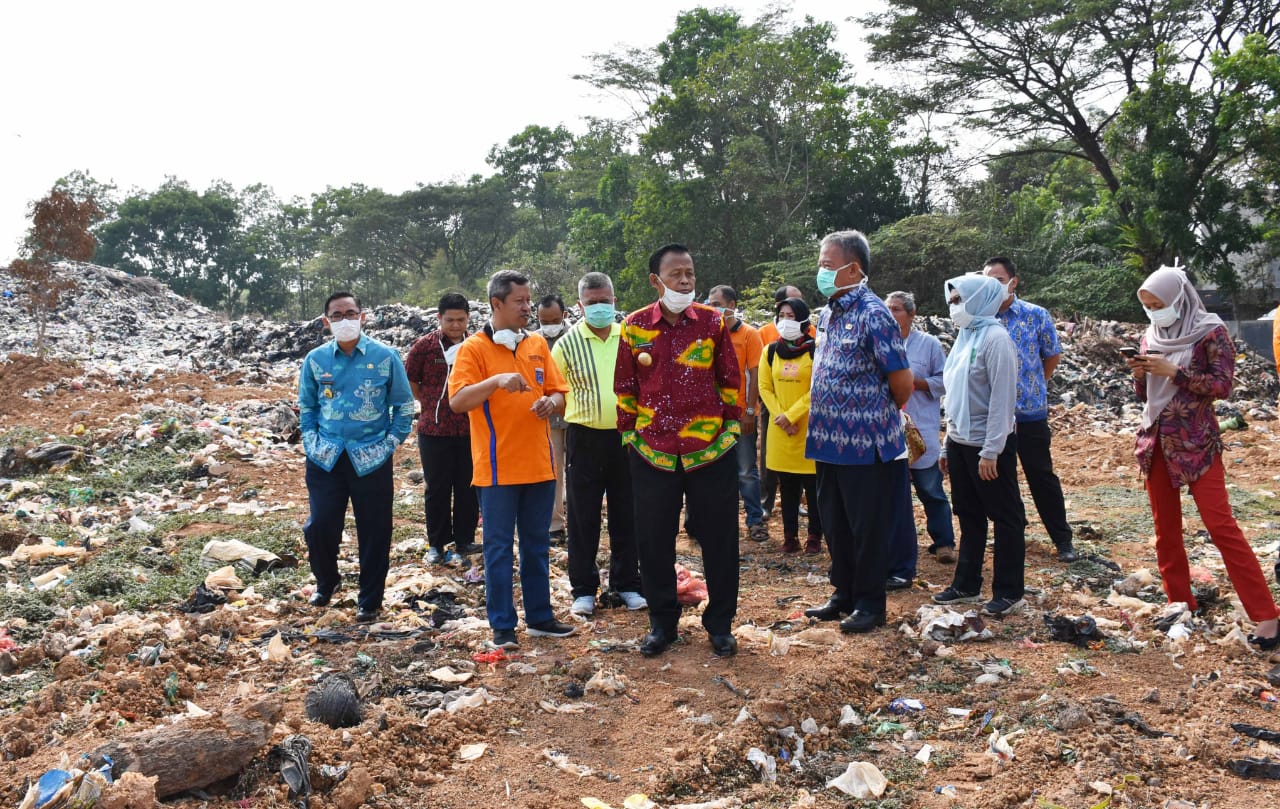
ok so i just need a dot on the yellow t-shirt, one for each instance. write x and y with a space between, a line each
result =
784 388
587 364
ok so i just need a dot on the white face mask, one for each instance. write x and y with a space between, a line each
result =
551 329
675 302
1166 317
508 338
960 316
344 331
789 330
451 352
1008 289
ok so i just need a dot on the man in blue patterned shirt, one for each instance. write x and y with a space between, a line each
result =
1036 339
861 378
355 408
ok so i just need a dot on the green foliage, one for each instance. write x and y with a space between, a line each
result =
919 253
1107 291
1155 98
203 245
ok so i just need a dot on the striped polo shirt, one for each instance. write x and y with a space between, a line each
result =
587 363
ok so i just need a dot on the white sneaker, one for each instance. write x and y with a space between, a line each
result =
634 601
584 606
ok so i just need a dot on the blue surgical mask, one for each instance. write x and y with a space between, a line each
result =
598 315
827 280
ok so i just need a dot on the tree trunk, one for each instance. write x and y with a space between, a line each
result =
197 752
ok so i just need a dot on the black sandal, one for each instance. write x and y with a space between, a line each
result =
1265 644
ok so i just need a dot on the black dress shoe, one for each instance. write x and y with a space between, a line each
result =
896 583
862 621
831 611
320 598
656 642
1265 644
469 548
1067 553
724 645
364 616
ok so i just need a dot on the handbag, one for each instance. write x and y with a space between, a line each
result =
915 439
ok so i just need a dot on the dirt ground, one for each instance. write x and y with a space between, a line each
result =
1139 719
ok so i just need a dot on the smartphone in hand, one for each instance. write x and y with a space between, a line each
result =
1129 352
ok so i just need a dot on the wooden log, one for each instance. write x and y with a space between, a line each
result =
196 752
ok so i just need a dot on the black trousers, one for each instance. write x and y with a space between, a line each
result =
712 495
791 485
371 500
854 501
769 479
1046 489
452 508
596 467
974 501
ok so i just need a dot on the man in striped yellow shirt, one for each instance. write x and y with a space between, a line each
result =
596 459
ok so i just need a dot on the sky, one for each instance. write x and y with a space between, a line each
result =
302 96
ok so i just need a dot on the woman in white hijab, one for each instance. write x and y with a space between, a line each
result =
981 376
1187 361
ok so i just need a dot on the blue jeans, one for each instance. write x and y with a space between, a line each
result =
937 509
749 479
903 548
526 506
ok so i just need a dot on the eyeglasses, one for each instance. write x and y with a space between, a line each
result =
350 314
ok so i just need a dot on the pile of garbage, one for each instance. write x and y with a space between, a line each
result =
118 320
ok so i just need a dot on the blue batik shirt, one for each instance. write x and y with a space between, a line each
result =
360 404
1036 340
852 417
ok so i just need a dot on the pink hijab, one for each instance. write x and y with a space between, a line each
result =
1173 288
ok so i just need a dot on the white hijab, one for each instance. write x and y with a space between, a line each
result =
1173 288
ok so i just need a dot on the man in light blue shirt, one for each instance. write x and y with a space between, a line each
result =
355 408
927 359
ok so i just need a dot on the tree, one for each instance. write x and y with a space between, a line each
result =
532 163
1135 88
59 231
761 142
197 243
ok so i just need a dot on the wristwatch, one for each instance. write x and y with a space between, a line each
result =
751 411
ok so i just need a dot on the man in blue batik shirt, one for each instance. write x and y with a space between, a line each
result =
356 408
1036 339
861 378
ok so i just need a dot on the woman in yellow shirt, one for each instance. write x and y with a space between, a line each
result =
786 369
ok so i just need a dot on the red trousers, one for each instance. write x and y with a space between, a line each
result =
1210 494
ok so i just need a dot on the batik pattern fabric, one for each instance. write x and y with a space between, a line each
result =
677 387
1188 426
359 404
1036 339
852 416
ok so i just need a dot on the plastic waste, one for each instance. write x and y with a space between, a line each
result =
1253 731
1081 631
862 780
471 752
1255 768
902 705
291 759
690 590
765 764
848 716
334 701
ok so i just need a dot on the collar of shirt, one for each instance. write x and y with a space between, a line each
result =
615 331
651 315
360 344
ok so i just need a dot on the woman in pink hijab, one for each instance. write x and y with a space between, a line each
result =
1188 361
